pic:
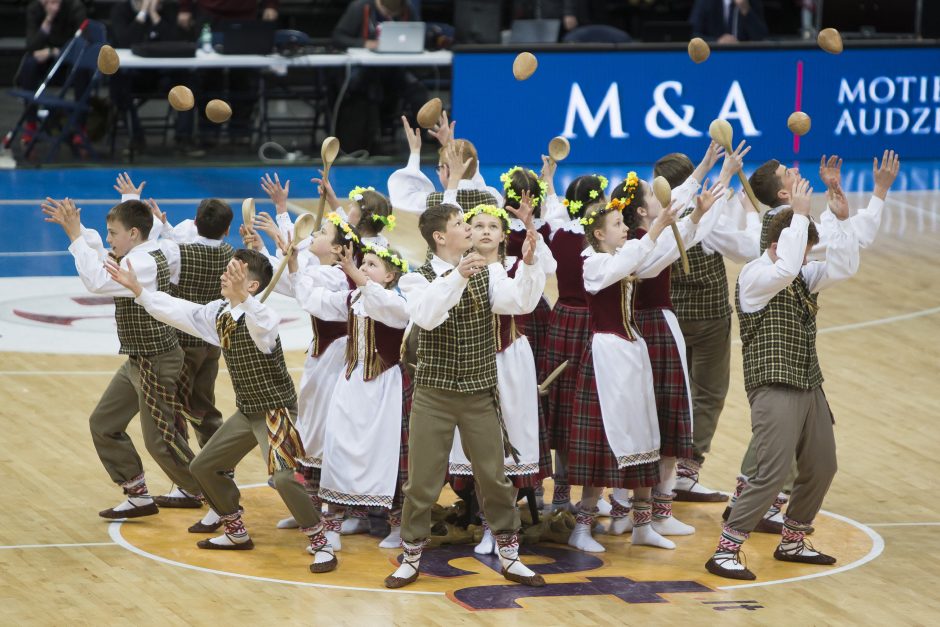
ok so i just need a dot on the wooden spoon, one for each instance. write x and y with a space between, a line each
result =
303 229
559 148
248 212
721 132
664 194
328 152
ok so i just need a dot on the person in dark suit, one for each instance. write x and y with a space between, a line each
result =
728 21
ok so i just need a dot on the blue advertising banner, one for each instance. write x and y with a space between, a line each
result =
636 105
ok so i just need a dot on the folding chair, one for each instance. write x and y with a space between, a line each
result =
79 55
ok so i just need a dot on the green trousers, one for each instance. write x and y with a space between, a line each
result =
202 362
708 354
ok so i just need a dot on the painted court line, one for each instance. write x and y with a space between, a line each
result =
877 547
904 524
56 546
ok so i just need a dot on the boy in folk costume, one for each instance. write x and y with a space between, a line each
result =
700 302
772 183
365 451
777 304
246 330
146 383
515 363
452 299
614 438
410 190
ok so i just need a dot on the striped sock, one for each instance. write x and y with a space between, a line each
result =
618 509
136 487
235 527
642 512
731 540
738 488
793 532
586 516
562 493
662 506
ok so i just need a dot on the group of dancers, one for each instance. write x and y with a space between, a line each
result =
419 375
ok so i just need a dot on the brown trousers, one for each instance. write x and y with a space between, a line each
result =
123 400
708 353
202 362
238 436
434 415
787 421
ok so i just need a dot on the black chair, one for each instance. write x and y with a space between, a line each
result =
79 55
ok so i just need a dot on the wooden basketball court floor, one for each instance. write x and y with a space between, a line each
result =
61 564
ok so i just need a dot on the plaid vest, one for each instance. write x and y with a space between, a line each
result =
200 269
261 381
460 354
466 198
765 230
780 340
702 294
139 332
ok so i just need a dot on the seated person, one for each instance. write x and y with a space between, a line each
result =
728 21
374 96
50 24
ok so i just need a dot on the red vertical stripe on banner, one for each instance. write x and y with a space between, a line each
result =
798 105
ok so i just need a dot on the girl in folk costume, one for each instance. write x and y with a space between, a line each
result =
366 449
569 325
515 364
370 212
614 430
517 183
654 318
311 284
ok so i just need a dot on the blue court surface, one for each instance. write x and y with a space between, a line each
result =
31 247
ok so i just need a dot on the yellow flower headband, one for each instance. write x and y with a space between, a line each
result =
388 221
574 206
343 226
357 192
506 179
386 255
357 195
630 185
492 210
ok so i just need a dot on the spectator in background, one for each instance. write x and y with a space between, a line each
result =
243 84
136 22
572 13
374 95
728 21
50 24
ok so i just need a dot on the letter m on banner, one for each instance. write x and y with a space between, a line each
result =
578 108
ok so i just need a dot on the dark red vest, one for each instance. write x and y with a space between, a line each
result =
515 239
653 293
324 334
612 310
382 342
566 247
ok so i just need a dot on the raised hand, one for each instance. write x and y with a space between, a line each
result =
250 237
155 210
713 153
235 282
347 262
886 173
455 165
528 247
324 187
276 192
665 218
549 167
126 278
800 196
124 185
830 171
265 224
707 199
412 135
443 131
838 203
65 214
525 211
471 264
734 162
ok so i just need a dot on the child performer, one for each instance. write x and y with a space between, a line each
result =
366 436
515 364
246 330
410 190
452 299
657 324
146 383
569 325
777 304
615 432
700 301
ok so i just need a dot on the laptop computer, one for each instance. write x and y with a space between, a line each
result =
247 37
401 37
535 31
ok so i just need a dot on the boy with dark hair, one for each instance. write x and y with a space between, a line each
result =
452 299
777 304
246 331
146 383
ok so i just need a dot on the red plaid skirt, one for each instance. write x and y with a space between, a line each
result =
407 392
672 396
535 327
568 334
591 462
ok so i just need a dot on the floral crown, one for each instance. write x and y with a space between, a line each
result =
386 255
357 192
630 185
506 179
343 226
603 211
492 210
574 206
